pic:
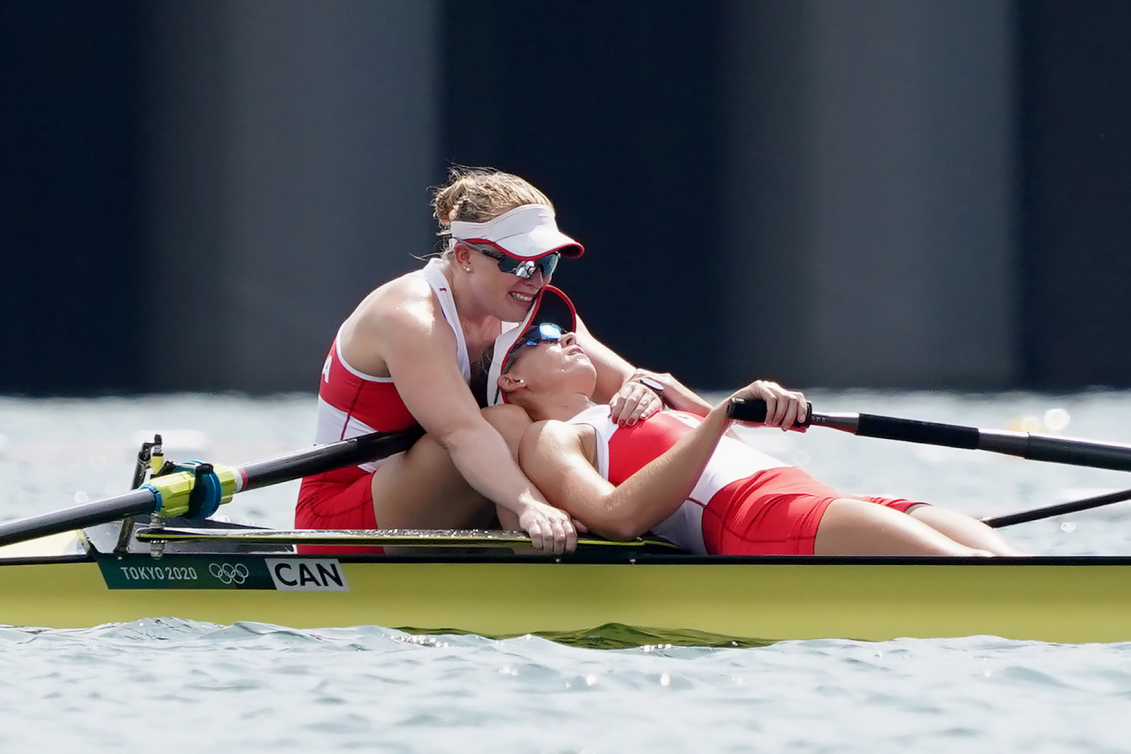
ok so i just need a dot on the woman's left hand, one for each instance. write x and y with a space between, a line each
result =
634 403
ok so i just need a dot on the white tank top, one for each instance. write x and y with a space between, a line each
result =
352 403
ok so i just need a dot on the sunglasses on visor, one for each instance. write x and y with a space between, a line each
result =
523 268
543 333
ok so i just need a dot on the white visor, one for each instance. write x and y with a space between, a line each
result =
525 232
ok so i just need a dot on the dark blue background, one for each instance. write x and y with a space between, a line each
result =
633 160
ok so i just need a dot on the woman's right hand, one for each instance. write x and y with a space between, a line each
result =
784 408
551 529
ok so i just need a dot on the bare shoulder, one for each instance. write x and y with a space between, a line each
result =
403 310
552 430
553 438
401 314
557 458
407 300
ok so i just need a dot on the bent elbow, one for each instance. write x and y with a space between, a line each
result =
621 530
457 439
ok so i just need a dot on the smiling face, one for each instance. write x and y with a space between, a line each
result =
502 293
521 243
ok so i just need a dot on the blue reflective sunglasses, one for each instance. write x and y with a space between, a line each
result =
542 333
523 268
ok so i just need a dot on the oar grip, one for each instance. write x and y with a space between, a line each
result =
754 410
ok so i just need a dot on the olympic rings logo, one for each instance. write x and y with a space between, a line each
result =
228 573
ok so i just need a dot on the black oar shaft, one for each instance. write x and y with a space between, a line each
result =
909 430
1058 449
1057 510
1023 444
257 474
316 460
133 503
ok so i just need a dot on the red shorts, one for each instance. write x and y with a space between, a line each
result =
774 512
336 501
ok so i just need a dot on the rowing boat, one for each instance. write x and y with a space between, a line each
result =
102 566
226 573
86 578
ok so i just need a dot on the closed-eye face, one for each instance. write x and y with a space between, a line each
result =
545 332
546 357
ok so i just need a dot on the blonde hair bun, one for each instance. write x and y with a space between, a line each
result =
477 194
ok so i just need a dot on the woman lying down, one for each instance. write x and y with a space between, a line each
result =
686 478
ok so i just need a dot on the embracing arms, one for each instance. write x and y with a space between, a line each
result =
554 455
559 458
630 392
400 333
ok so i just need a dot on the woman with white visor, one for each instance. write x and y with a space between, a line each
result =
404 357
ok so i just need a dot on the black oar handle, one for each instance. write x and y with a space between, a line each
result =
1035 447
867 425
754 410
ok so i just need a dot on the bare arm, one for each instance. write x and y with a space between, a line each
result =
553 454
612 370
415 347
618 384
676 394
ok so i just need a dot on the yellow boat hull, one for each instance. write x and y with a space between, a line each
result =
1071 600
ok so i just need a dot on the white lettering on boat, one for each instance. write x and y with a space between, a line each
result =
307 575
158 573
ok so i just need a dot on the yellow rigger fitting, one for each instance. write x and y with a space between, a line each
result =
175 490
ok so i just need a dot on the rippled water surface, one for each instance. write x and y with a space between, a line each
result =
178 686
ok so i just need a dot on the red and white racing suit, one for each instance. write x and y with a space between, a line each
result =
352 403
744 503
